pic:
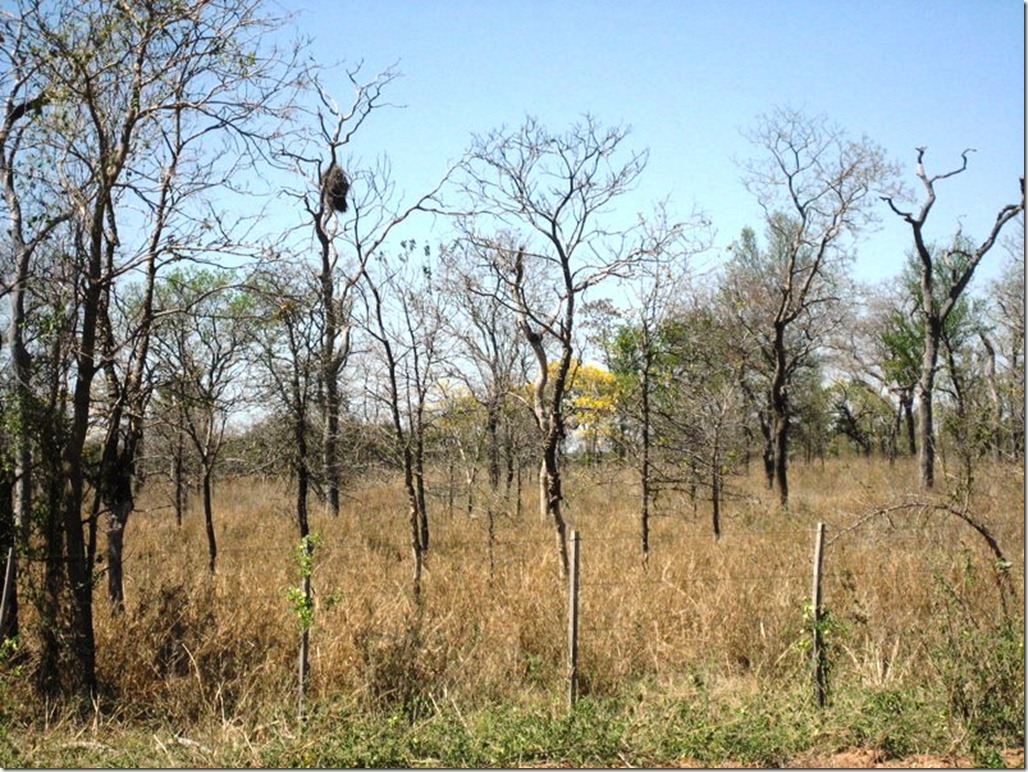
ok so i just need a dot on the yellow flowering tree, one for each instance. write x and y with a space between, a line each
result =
593 395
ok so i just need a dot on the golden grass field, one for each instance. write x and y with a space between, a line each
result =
723 621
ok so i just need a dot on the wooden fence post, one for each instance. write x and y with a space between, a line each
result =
573 623
817 639
8 589
304 666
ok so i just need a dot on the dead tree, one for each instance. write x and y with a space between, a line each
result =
940 291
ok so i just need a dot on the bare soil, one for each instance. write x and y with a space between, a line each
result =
857 758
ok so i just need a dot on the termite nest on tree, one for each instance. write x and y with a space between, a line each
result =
334 187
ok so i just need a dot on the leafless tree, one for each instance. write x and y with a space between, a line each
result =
944 277
552 190
405 347
816 189
487 365
402 320
326 202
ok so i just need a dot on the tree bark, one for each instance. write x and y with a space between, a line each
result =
644 462
926 390
780 418
8 542
208 520
178 474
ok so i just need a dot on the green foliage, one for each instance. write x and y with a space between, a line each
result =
893 721
902 340
727 725
860 413
980 662
692 365
302 602
503 736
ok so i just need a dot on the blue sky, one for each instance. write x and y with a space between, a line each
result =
688 77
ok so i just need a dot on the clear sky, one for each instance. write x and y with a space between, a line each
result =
688 76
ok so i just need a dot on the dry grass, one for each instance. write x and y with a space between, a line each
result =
724 608
723 619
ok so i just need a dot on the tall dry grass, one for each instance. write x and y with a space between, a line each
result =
699 615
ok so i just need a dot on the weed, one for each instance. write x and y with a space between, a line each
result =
979 658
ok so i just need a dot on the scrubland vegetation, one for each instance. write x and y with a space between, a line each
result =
702 654
300 469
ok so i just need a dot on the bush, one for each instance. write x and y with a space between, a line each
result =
979 658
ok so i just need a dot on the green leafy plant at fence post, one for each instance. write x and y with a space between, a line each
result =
817 642
979 660
301 598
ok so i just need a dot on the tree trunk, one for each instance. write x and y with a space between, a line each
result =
178 476
8 574
208 519
492 434
781 450
116 522
517 494
116 491
414 519
780 419
996 413
715 494
926 390
907 401
48 676
767 453
115 534
331 442
333 355
892 441
644 466
550 488
82 637
83 644
419 486
470 473
508 450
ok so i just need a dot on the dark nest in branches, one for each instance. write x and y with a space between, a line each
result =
334 187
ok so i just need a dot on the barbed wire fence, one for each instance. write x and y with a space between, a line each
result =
803 554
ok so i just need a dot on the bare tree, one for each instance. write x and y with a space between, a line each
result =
815 187
405 353
940 291
330 214
405 326
487 363
552 190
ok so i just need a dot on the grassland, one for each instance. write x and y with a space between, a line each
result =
700 653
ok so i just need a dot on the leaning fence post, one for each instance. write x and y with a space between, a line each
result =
817 641
8 589
573 623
